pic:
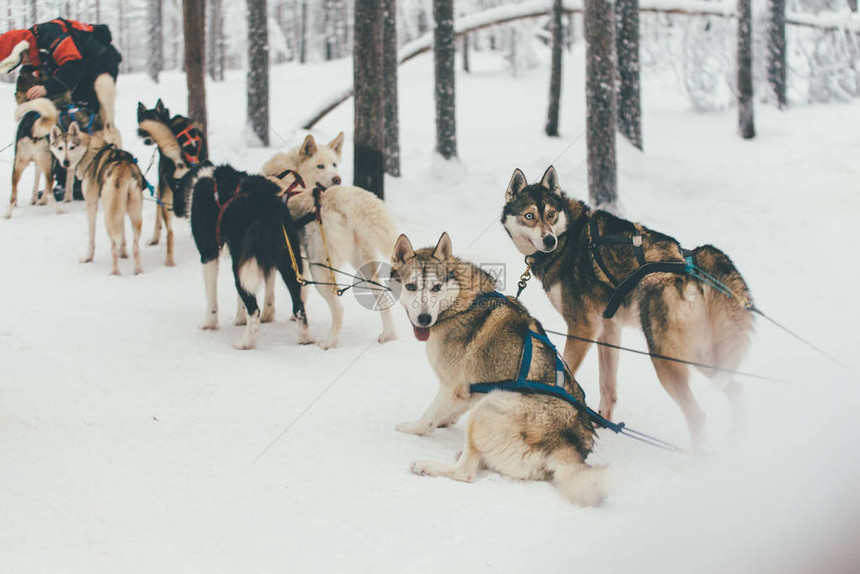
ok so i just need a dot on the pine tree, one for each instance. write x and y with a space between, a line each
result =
600 102
369 161
444 52
746 125
555 71
258 70
392 120
627 50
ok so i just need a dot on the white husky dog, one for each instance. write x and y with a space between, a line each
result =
358 228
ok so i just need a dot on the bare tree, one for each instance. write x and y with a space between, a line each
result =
776 57
392 120
258 70
627 50
746 123
194 25
34 11
444 52
155 57
555 71
466 66
369 162
303 33
215 41
600 102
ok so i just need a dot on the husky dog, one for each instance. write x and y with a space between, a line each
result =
35 120
247 213
358 228
524 436
108 173
582 256
175 158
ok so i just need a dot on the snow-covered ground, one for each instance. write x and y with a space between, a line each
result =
131 441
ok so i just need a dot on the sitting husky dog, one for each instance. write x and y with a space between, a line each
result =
175 158
475 335
108 173
582 257
358 228
247 213
35 119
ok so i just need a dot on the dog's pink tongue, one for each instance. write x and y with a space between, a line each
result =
421 333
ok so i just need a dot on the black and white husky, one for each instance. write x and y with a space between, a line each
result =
246 213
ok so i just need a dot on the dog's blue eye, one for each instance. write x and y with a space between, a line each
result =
436 288
529 216
411 287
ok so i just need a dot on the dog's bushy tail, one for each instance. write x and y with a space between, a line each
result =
48 116
731 323
581 484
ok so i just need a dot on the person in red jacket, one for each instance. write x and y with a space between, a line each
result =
78 58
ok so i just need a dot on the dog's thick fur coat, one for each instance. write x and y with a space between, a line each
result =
680 316
358 228
523 436
35 120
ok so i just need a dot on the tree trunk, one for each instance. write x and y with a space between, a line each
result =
466 53
852 5
303 33
155 57
776 57
194 28
258 71
627 50
34 12
392 121
555 71
746 125
600 102
369 161
444 52
98 10
215 41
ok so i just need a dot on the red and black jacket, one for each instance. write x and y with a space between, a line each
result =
59 52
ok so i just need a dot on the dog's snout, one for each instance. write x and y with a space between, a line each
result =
424 319
549 241
66 163
336 180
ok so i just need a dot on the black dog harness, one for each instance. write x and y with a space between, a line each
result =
623 288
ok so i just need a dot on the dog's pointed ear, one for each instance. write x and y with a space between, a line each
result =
402 250
443 249
517 184
337 144
141 109
74 130
56 133
308 149
159 106
549 181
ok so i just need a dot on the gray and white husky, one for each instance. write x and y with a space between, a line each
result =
582 256
475 338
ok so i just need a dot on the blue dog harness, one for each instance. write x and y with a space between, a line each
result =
67 116
522 385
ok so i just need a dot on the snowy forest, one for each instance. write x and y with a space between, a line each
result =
662 196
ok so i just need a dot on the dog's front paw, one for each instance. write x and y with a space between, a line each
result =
413 428
210 322
86 259
153 241
329 343
244 344
268 315
306 339
386 336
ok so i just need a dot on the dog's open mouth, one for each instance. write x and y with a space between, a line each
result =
421 333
